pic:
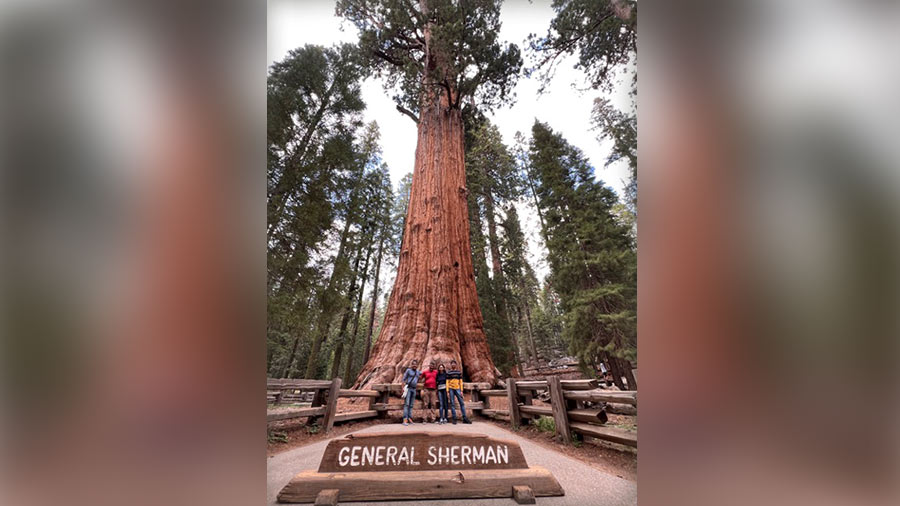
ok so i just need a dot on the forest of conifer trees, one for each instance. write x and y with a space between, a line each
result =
336 222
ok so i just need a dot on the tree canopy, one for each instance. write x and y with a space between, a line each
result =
603 33
448 46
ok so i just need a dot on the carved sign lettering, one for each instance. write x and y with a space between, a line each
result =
420 451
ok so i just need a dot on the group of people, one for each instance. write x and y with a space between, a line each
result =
439 384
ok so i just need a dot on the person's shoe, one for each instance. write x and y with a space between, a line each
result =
466 420
405 423
454 421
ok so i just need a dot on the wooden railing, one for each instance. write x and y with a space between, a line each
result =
322 396
568 398
568 404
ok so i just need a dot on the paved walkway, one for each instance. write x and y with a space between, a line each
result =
583 484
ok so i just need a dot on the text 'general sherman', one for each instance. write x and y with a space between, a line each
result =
435 455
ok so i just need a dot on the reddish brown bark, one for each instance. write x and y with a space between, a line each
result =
433 311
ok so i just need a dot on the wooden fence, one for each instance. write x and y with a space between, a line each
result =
568 399
322 396
568 408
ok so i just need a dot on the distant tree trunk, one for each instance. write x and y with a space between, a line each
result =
362 287
629 374
499 281
339 346
536 205
374 301
514 344
290 360
534 355
326 305
433 311
617 371
492 236
348 308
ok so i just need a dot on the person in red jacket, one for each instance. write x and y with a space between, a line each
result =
429 393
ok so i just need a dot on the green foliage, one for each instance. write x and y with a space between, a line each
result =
328 194
493 181
491 170
621 128
276 437
547 321
545 424
592 259
602 32
313 106
436 45
494 329
399 209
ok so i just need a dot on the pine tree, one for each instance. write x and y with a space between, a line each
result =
591 255
312 108
494 182
603 34
522 279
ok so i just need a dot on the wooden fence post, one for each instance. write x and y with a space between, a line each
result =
558 403
512 396
527 400
331 406
384 398
317 400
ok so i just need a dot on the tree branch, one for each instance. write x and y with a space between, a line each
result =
407 112
388 58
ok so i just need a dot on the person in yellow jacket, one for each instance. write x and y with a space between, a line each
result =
455 390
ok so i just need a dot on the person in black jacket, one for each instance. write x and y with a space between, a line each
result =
442 393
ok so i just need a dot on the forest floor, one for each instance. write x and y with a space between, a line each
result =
611 458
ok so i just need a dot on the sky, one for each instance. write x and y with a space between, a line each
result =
564 105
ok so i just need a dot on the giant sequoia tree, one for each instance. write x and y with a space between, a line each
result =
434 54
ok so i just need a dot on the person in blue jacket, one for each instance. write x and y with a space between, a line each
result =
411 380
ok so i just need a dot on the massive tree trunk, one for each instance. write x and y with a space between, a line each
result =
433 311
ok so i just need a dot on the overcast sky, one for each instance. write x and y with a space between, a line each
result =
293 23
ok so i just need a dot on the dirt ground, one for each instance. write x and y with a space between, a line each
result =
612 458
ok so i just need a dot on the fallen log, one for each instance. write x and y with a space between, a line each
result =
597 395
621 409
593 415
612 434
343 417
294 413
346 392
